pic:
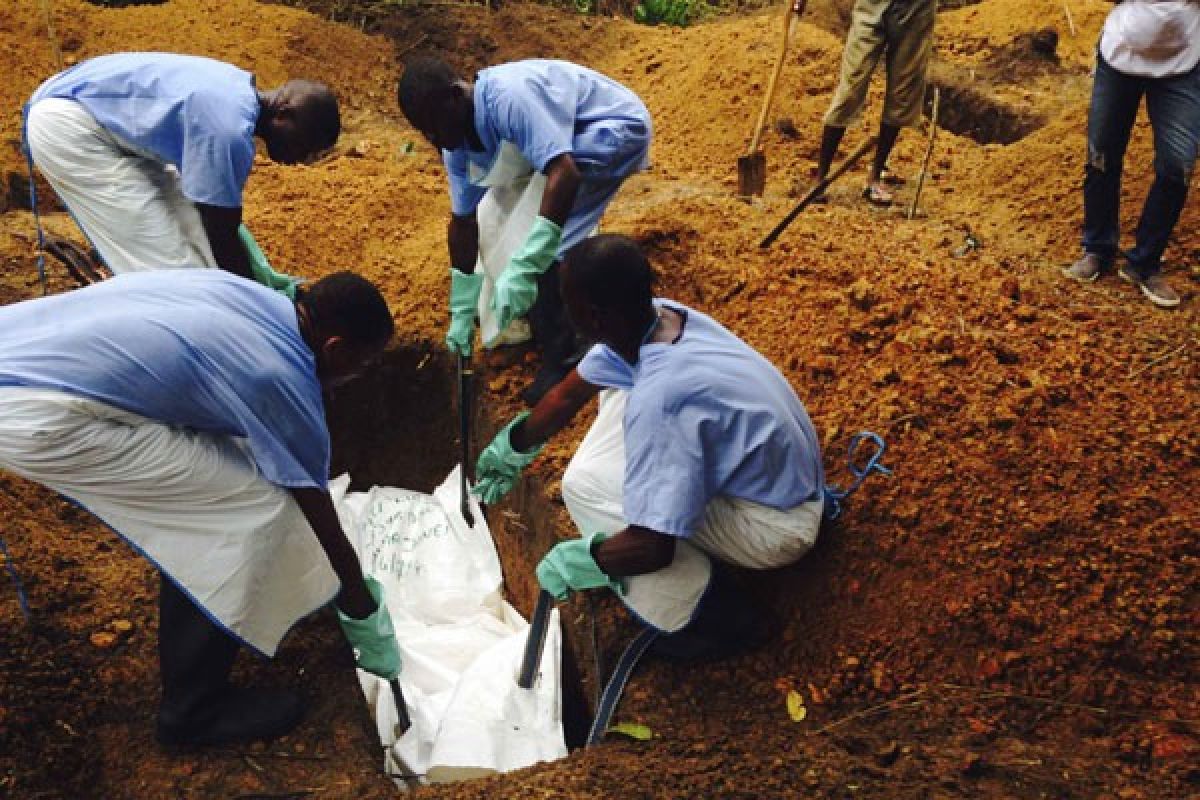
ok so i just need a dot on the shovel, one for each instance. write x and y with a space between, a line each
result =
403 723
535 643
464 432
752 167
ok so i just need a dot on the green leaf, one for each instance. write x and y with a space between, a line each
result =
633 730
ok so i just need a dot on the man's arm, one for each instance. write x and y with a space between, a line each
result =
354 599
462 234
634 551
562 185
553 412
221 226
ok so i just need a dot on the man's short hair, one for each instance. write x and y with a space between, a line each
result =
348 305
611 271
318 113
424 82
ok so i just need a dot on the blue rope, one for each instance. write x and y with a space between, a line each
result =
33 199
835 496
22 598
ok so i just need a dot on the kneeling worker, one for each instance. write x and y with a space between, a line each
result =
184 409
150 153
584 132
702 451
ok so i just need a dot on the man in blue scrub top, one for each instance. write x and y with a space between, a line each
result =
184 409
700 451
150 152
584 131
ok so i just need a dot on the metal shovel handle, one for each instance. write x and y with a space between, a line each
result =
816 191
536 641
464 434
403 722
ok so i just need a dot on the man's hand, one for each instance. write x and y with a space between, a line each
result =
500 464
569 566
516 289
373 636
464 303
221 227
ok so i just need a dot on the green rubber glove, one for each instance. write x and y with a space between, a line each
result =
260 268
499 465
569 566
464 304
373 638
516 289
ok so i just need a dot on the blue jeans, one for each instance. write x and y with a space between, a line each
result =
1173 105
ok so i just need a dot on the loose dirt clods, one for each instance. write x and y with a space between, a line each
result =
1013 614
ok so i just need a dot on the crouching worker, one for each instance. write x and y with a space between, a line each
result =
184 409
552 142
150 153
700 452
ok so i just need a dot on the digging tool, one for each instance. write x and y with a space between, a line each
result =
933 117
535 643
464 432
752 167
816 191
403 723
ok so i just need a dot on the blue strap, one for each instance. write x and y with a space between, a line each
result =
22 598
611 696
835 496
33 199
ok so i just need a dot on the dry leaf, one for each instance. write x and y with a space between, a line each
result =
795 706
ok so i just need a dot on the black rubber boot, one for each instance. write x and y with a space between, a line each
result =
726 624
553 337
199 707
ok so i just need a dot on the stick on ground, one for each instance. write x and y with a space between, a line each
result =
933 117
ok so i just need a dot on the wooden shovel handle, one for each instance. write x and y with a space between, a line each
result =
766 107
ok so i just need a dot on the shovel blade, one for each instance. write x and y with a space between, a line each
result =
752 174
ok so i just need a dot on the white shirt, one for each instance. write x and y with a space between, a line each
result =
1152 38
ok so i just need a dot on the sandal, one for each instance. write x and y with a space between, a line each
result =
877 195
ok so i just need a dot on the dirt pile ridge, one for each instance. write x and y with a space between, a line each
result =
1032 560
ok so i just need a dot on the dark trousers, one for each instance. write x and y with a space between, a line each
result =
1173 105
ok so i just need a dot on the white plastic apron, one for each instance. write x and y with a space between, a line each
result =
193 503
592 488
505 217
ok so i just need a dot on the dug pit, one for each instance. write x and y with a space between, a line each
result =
398 425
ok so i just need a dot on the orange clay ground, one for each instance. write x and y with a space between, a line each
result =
1013 614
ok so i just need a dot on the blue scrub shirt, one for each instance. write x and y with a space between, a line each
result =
202 349
707 416
547 108
194 113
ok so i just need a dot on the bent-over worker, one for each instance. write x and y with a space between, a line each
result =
150 153
583 131
700 450
184 409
